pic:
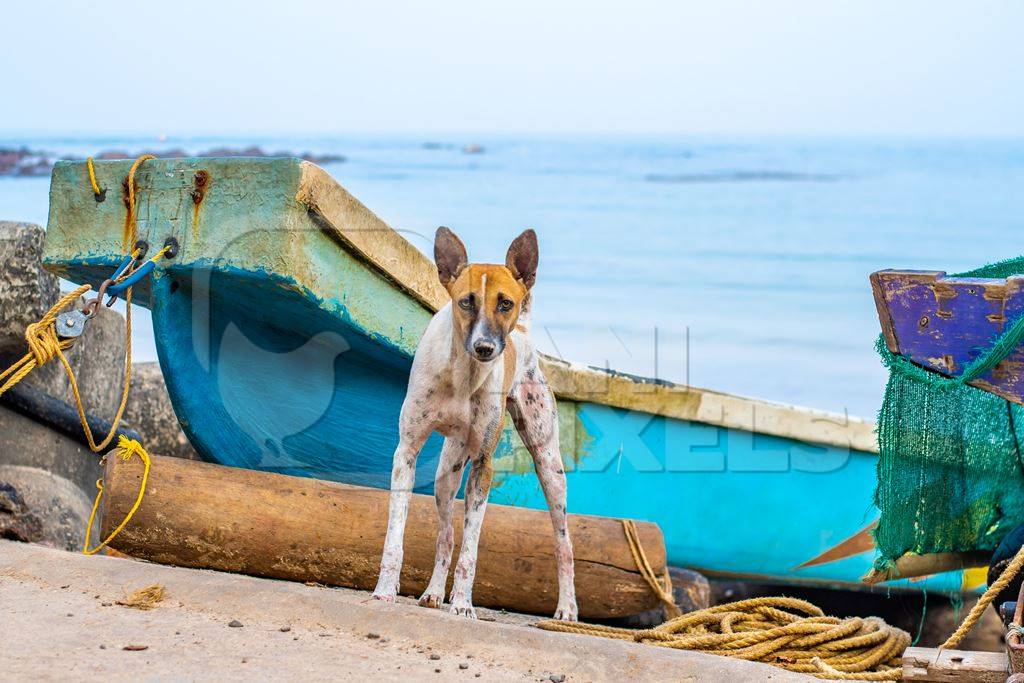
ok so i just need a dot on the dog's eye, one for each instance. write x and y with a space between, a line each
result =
505 304
466 302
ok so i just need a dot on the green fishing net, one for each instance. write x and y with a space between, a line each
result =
950 470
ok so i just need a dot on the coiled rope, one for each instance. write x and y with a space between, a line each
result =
788 633
771 630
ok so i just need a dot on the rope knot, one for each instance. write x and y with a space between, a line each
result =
127 448
42 340
130 447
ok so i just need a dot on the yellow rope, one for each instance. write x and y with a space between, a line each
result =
160 254
985 600
127 378
664 593
786 632
127 448
115 422
44 345
130 234
92 177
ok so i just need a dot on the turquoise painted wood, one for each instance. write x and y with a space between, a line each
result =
285 350
729 501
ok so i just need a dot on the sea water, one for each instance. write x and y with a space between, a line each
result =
735 264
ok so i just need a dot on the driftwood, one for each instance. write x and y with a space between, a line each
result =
912 566
934 664
201 515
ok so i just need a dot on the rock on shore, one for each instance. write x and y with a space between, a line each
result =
25 162
47 478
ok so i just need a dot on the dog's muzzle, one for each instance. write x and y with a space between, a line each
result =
485 349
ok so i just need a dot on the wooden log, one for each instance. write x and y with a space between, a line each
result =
934 664
201 515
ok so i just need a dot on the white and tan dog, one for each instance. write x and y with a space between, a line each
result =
475 361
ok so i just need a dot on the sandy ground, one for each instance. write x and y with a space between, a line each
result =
59 618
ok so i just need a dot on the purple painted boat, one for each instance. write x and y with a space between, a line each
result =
943 323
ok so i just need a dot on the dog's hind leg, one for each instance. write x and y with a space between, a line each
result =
412 435
446 484
535 416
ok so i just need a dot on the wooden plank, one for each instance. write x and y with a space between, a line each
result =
911 566
943 323
201 515
934 664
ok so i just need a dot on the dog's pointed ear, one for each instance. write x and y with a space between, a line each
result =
449 255
522 257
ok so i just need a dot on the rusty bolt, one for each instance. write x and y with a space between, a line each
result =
199 181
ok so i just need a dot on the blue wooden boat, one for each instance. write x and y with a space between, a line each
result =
286 324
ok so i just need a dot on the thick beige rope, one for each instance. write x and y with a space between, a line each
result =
664 593
788 633
985 600
768 630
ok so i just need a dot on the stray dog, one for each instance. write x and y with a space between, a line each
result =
475 361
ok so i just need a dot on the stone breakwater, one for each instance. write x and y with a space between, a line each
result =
48 477
26 162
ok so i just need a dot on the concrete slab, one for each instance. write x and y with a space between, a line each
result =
58 617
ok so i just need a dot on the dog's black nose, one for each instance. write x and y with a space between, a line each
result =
483 349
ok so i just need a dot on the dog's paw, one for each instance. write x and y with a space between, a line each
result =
431 600
463 609
384 597
567 613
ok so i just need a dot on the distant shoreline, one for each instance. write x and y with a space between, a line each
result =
24 162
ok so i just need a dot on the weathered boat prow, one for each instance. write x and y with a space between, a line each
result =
286 325
944 322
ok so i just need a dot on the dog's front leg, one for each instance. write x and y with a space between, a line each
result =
478 486
403 477
446 484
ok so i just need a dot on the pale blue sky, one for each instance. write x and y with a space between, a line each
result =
796 67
